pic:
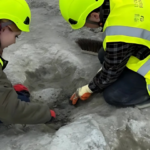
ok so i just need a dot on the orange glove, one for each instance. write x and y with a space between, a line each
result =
82 93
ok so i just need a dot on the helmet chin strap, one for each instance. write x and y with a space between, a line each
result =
4 24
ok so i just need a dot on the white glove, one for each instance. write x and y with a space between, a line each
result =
82 93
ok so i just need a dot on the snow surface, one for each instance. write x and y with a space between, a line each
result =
48 61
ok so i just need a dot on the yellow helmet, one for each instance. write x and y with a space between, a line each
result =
16 11
75 12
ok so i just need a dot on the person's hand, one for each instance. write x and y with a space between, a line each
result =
82 93
53 115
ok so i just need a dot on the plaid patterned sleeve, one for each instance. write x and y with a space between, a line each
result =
141 52
116 57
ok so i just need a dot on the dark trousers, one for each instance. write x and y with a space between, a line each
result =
23 96
128 90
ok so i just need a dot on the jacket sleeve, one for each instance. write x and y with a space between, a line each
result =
115 59
15 111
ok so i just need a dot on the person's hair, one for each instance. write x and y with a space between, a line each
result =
13 26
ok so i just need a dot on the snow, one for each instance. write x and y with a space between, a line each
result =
48 61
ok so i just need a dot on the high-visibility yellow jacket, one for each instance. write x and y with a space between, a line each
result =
129 22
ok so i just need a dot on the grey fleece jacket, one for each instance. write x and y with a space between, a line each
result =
14 111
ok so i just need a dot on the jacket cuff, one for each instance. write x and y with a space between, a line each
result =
93 87
53 116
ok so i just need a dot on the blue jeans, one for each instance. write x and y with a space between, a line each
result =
128 90
23 96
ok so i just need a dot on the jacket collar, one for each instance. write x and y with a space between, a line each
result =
4 63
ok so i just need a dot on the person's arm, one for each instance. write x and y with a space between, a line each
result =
116 57
14 111
141 52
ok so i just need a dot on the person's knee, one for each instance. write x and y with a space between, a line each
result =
109 98
115 98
